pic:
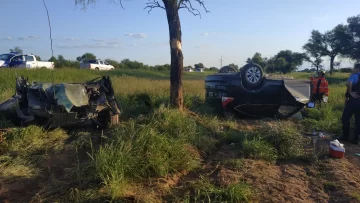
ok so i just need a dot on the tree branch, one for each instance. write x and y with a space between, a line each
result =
188 5
153 4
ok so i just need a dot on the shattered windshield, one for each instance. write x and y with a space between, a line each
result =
5 57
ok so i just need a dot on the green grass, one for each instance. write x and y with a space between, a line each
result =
23 148
154 141
203 190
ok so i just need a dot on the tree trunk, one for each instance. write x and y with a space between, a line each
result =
176 92
332 58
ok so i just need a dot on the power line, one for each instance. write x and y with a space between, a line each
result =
221 62
47 12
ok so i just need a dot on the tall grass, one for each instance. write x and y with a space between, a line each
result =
153 141
164 143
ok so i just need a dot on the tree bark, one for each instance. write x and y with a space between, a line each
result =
176 70
332 58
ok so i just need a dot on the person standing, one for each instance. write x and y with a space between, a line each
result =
319 88
352 106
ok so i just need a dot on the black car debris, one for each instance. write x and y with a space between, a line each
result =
249 93
65 104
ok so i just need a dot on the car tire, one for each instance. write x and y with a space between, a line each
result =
252 75
227 69
97 68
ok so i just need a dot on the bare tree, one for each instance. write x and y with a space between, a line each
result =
172 8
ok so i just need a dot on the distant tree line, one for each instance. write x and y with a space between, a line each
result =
61 62
343 41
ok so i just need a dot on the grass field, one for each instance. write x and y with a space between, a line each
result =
157 154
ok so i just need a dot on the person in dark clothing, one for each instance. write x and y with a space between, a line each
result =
352 106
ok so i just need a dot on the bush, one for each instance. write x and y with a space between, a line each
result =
346 70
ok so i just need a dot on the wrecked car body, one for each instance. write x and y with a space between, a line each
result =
249 93
65 104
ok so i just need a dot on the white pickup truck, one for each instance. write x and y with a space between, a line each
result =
29 61
96 65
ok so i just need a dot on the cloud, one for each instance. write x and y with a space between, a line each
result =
208 33
7 38
202 46
98 40
107 45
71 39
138 35
30 37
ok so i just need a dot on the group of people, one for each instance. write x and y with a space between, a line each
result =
320 92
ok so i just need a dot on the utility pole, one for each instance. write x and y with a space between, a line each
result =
221 61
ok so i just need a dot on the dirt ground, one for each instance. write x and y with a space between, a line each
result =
325 180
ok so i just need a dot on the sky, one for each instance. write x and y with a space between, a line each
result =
233 29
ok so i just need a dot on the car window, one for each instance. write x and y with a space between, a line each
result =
101 62
92 61
5 57
29 58
106 63
17 58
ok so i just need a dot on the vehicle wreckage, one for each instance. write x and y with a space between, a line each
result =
65 104
249 93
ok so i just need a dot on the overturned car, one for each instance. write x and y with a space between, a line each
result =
65 104
249 93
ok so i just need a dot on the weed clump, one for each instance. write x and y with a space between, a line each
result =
202 190
25 141
258 149
160 146
20 149
275 141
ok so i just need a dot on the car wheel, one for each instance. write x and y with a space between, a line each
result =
97 68
227 69
252 75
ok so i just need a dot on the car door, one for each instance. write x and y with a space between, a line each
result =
102 65
17 61
30 61
107 65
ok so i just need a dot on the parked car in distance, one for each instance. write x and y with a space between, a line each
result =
28 61
5 59
96 64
